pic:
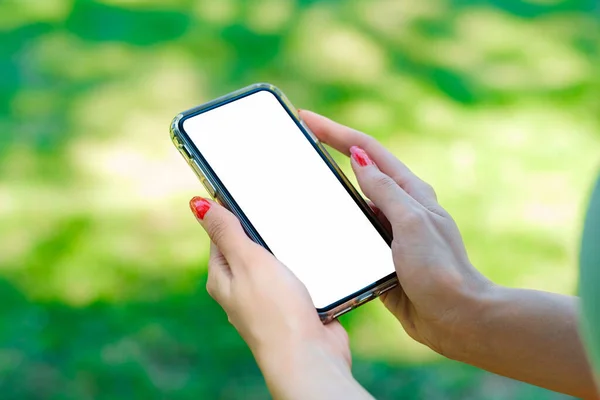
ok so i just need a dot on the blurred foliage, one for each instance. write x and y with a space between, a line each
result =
494 103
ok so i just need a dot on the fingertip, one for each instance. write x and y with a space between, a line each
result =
311 117
305 111
199 206
360 157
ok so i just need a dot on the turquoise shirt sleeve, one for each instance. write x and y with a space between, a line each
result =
589 281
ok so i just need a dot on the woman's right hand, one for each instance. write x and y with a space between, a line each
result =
439 290
443 301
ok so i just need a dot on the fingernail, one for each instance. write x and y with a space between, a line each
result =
199 206
360 156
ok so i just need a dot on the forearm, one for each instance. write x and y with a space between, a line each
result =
309 373
531 336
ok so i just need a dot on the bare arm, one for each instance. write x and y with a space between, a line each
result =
527 335
304 371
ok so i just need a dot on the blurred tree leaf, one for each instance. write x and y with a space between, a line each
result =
98 22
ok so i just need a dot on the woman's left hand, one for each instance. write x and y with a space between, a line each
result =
273 312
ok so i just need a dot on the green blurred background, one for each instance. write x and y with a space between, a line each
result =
102 266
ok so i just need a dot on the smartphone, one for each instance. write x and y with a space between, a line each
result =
255 156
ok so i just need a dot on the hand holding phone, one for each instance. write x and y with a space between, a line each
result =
440 291
274 313
265 164
256 289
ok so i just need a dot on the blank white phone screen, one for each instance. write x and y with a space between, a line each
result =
291 197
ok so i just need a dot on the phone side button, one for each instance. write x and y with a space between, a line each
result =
196 167
364 298
209 187
344 311
220 201
184 149
382 291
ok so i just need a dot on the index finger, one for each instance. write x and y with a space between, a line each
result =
341 138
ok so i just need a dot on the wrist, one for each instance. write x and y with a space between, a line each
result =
300 357
468 336
464 331
305 370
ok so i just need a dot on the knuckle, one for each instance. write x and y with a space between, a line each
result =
429 189
217 231
383 182
439 211
369 142
413 220
254 264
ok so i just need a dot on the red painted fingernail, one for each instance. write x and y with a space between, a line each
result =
360 156
199 206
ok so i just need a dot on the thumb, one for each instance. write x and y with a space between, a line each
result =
223 228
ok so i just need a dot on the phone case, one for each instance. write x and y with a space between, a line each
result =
220 194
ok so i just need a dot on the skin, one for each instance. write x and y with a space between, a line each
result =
271 309
442 302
